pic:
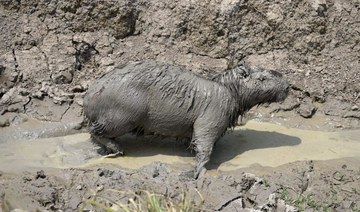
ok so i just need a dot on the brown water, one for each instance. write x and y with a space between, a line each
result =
255 143
273 145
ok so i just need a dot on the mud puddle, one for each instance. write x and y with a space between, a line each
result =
273 145
255 143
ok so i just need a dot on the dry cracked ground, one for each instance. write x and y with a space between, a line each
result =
50 51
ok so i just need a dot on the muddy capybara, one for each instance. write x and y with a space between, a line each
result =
164 99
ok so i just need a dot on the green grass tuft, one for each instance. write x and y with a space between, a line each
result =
141 201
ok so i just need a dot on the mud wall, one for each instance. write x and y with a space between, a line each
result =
51 50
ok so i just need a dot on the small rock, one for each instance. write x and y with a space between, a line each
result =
306 110
77 89
89 208
318 3
78 126
40 174
59 96
287 106
64 77
338 126
355 108
155 173
27 178
116 208
281 205
11 101
352 114
99 188
105 172
289 208
338 176
273 199
79 187
4 122
24 92
14 76
318 97
66 94
44 87
38 95
249 176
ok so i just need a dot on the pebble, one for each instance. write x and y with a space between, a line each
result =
306 110
77 89
4 122
273 199
40 174
338 126
99 188
38 94
289 208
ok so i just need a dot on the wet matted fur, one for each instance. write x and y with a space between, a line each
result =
163 99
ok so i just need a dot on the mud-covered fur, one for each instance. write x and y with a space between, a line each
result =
162 99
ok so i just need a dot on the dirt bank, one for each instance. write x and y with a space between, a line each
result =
314 186
50 51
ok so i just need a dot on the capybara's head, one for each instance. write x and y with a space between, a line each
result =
257 86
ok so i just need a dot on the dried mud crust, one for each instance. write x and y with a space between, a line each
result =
50 51
311 186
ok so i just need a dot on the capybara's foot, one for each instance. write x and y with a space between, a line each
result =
199 173
109 147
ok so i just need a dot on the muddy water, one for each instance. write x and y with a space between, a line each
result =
255 143
273 145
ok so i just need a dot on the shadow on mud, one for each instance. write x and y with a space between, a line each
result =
239 141
230 146
149 146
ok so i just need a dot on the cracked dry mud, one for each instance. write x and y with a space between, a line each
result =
50 51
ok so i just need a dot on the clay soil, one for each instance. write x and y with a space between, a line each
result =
50 51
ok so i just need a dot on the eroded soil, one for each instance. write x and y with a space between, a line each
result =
260 165
50 51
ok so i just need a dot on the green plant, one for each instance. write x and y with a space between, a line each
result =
146 201
357 209
284 195
303 202
265 183
355 191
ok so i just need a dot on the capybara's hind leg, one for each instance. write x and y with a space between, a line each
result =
110 148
